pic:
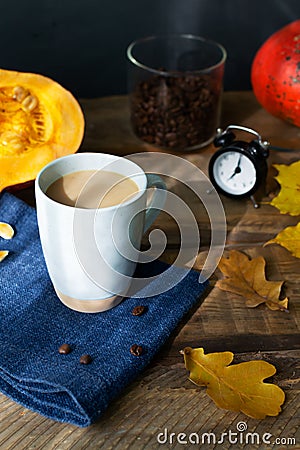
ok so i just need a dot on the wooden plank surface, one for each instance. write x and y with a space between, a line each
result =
162 397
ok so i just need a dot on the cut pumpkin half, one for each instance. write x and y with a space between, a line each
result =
39 121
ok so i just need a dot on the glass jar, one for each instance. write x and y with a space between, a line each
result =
175 87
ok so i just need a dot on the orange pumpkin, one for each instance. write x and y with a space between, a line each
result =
275 73
39 121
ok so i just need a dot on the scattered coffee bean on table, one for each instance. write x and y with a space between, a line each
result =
64 349
85 359
138 310
136 350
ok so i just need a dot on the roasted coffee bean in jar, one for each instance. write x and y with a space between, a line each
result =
175 90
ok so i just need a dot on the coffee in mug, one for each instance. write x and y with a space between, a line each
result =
92 189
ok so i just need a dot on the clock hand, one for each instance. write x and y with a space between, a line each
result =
234 173
237 169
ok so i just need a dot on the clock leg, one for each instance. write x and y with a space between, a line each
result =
255 205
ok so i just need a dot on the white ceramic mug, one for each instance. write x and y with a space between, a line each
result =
91 254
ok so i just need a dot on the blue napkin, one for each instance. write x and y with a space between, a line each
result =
34 324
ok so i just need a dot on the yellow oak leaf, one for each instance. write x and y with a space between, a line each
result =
288 199
288 238
247 278
238 387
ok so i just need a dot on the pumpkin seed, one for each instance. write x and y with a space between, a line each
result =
6 230
19 93
3 254
29 103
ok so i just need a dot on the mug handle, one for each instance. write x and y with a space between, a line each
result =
157 201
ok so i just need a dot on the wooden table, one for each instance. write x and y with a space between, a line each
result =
163 397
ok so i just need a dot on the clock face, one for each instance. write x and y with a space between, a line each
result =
234 173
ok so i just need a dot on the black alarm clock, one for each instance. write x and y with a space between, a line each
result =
238 168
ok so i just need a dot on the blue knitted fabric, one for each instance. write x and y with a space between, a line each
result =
34 323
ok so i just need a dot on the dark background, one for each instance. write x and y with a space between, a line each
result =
82 43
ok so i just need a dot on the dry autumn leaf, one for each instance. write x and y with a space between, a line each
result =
288 238
238 387
3 254
6 230
288 199
247 278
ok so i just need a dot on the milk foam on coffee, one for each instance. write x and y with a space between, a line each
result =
91 189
